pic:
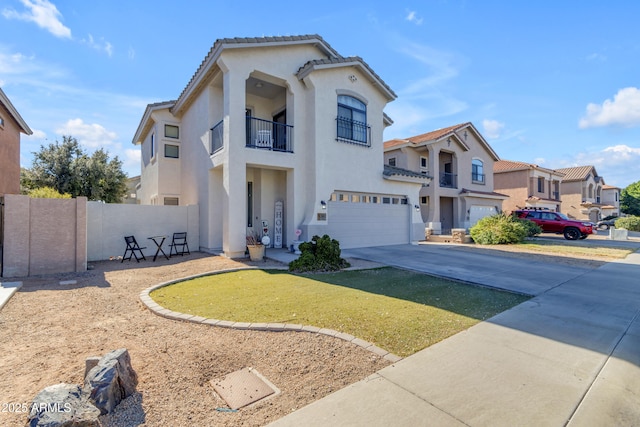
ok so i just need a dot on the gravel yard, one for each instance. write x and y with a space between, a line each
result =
47 330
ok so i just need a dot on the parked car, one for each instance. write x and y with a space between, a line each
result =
606 222
556 222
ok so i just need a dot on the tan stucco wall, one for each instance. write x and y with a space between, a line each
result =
44 236
514 184
9 154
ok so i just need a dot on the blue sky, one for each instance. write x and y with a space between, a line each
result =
547 82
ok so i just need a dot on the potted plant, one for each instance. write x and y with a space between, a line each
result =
255 246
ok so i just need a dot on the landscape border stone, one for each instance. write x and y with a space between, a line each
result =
157 309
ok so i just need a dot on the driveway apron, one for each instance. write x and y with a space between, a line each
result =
569 356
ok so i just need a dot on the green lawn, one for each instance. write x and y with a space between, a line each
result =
400 311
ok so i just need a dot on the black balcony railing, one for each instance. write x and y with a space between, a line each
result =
477 178
353 132
268 135
448 180
216 137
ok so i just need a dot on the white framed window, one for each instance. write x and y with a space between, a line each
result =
171 131
424 165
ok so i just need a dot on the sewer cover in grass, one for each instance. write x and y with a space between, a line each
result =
243 387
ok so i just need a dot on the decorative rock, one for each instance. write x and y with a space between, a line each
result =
89 364
111 380
62 405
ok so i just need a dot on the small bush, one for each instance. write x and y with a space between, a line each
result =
320 254
502 229
631 223
47 193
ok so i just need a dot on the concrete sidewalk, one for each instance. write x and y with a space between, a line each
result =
7 289
569 356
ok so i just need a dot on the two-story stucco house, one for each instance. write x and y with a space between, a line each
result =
582 193
11 126
283 131
461 163
527 185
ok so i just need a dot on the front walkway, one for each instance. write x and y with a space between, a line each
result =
569 356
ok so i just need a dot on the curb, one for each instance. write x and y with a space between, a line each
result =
7 289
157 309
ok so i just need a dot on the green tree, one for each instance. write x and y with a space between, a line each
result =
630 199
66 168
47 193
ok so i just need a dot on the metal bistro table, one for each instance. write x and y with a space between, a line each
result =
158 240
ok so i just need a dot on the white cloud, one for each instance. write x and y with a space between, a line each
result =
131 53
131 160
539 161
90 135
412 16
617 164
492 128
44 14
36 135
624 110
100 45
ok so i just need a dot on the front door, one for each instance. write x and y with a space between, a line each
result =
446 214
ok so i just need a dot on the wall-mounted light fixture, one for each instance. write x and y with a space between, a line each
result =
417 208
323 204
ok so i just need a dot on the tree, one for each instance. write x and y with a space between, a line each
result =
47 193
66 168
630 199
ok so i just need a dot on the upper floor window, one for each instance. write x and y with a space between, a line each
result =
153 144
171 131
171 151
540 184
424 165
477 171
1 121
392 161
352 121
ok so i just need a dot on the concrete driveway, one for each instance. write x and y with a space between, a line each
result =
569 356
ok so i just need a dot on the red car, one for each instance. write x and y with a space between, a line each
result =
555 222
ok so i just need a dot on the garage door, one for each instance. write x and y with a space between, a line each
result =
477 212
357 224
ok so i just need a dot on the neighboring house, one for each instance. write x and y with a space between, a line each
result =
527 185
582 193
285 131
461 164
133 183
11 126
610 200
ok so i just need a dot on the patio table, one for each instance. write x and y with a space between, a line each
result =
158 240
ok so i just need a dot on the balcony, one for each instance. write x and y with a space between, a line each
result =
268 135
448 180
353 132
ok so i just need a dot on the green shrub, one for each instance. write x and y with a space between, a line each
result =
320 254
631 223
502 229
48 193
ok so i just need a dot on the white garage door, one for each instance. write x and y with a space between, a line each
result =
357 225
476 213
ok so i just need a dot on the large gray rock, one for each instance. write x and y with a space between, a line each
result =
62 405
111 380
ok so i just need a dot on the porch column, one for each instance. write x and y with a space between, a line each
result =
234 173
434 201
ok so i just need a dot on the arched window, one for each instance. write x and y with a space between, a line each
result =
352 120
477 171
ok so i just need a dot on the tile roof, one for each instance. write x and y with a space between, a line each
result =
393 170
4 101
578 173
340 60
436 134
485 193
510 166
